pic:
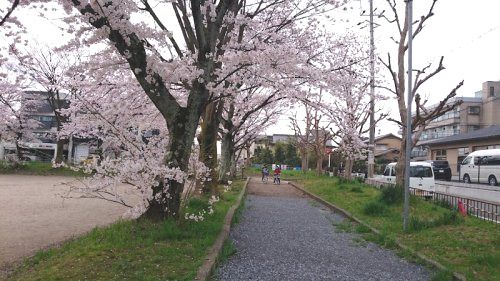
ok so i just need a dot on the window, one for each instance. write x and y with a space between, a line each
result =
420 172
467 160
381 147
492 91
477 160
387 171
484 147
463 151
474 110
473 127
494 160
440 154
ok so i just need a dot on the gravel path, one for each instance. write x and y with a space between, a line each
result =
285 236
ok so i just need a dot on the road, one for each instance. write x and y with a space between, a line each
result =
481 192
35 216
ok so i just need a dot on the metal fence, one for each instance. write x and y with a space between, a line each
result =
485 210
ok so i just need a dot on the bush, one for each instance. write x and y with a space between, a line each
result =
375 208
391 194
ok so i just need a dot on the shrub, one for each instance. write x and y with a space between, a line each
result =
391 194
375 208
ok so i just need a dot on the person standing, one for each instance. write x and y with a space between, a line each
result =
277 174
265 173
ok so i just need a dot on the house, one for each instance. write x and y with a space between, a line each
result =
455 148
387 148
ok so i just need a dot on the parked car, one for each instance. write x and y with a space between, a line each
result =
421 175
482 166
441 169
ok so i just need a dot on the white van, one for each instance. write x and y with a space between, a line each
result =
421 175
482 166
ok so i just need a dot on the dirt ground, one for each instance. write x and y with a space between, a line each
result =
33 215
257 187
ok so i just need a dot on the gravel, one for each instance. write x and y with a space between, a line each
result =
284 238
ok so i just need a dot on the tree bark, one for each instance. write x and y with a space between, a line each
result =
208 144
401 165
319 164
227 158
59 157
304 160
348 168
182 127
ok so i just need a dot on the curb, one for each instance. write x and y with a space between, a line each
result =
213 253
336 209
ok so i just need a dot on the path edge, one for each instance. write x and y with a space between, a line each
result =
206 269
336 209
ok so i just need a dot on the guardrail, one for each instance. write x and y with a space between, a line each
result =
489 211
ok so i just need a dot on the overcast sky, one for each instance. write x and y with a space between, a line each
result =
467 33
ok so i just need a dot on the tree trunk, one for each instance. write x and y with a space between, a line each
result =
348 168
227 158
319 164
59 157
208 145
401 165
166 200
304 159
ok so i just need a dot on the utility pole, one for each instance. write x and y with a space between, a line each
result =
406 207
371 146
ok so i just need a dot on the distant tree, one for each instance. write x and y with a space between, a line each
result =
291 156
266 156
279 153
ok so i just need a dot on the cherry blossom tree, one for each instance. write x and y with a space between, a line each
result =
15 126
46 69
182 56
248 114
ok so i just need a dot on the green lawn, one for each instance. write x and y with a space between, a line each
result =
134 250
468 245
37 168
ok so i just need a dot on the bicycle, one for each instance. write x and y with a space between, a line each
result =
265 179
277 179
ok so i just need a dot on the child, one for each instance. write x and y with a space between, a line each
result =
277 173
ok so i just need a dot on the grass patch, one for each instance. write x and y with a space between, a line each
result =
356 189
391 195
375 208
443 275
38 168
467 245
134 250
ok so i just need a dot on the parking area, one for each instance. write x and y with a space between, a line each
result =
33 215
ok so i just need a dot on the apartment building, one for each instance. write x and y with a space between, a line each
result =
478 112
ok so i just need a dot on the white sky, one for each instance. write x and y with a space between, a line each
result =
467 33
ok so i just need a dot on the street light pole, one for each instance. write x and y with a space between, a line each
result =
406 211
371 147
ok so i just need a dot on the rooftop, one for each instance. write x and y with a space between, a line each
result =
485 133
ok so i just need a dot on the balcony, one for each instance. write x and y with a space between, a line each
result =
438 135
419 153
